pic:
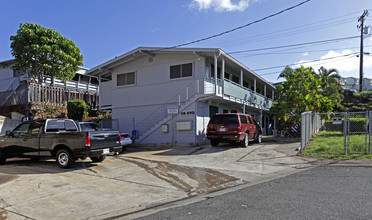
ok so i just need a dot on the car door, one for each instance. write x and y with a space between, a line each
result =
16 144
252 127
33 139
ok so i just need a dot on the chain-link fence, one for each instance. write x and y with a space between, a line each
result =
350 132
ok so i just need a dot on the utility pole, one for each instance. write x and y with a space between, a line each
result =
361 27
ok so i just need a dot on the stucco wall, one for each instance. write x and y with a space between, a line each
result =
153 84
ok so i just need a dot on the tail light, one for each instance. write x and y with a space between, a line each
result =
87 141
239 129
120 137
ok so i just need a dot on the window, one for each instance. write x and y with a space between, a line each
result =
250 120
227 75
56 125
91 127
235 79
224 119
243 119
22 129
35 128
126 79
218 72
180 71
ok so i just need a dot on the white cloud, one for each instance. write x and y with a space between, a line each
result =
346 65
305 54
222 5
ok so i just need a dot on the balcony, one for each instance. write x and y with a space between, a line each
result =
237 93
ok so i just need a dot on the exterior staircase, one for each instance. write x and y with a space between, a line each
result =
167 118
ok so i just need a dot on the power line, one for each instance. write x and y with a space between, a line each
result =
271 73
297 52
294 45
312 61
286 32
238 28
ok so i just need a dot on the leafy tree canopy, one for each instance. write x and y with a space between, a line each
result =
40 51
305 90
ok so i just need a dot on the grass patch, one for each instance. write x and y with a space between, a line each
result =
330 145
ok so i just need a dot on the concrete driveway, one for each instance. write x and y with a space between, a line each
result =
139 181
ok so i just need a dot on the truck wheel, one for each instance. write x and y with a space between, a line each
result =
98 159
64 158
214 143
245 141
2 158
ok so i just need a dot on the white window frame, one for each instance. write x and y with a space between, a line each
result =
180 64
126 85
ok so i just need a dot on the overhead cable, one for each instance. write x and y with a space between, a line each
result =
238 28
294 45
300 63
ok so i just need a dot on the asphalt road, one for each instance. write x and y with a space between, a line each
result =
330 191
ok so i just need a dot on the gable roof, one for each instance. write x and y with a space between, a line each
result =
105 69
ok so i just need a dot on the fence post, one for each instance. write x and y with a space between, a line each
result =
345 131
303 131
369 131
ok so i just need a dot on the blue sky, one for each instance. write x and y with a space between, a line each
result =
105 29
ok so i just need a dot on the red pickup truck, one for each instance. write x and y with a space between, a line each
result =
239 128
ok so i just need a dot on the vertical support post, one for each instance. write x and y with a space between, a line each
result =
272 95
77 84
241 77
370 131
345 131
255 84
223 76
179 100
265 90
215 73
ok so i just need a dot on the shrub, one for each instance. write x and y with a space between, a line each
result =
77 109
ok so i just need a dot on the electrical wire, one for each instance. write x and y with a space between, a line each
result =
275 35
312 61
293 45
238 28
283 52
277 72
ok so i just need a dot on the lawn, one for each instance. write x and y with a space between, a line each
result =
330 145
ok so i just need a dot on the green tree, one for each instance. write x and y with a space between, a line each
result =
40 51
304 90
77 109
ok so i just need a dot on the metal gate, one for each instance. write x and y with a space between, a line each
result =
350 130
357 133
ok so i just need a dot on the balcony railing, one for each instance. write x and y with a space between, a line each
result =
237 91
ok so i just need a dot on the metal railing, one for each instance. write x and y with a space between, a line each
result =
162 111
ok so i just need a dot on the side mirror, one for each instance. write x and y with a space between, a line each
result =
8 133
16 134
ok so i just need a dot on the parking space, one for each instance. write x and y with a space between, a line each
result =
137 180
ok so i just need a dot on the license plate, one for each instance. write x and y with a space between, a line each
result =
223 129
106 151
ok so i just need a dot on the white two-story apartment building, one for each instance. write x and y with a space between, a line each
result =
167 96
